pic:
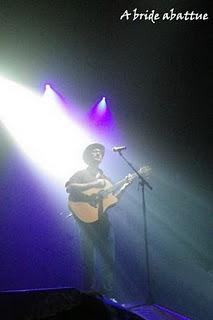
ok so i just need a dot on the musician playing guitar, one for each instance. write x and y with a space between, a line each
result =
89 198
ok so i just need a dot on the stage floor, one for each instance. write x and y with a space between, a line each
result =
70 302
154 312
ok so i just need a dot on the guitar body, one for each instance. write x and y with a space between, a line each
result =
90 204
87 212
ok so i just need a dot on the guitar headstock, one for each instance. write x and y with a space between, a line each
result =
145 171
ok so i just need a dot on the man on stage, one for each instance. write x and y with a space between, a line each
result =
96 237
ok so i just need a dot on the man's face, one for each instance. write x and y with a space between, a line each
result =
96 155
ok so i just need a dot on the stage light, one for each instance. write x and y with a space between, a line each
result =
102 105
47 87
100 116
42 129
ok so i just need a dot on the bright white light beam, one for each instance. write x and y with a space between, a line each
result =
42 130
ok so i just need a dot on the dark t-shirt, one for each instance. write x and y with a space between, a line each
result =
85 176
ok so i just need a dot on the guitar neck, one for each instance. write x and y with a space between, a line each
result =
141 171
119 183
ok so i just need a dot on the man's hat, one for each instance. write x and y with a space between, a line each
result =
88 150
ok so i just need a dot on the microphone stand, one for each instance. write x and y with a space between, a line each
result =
143 183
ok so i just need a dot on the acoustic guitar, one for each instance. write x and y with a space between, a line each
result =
95 201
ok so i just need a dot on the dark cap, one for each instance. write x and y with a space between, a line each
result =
88 150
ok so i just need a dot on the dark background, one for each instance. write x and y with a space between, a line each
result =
158 80
156 75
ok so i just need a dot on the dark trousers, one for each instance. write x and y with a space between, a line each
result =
97 248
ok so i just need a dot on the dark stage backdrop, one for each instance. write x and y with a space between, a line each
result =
158 79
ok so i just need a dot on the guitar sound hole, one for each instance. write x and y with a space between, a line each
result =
93 201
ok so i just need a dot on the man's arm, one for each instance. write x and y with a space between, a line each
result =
120 191
73 186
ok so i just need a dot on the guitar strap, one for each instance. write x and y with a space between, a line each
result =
100 207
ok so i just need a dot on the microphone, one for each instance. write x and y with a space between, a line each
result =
118 149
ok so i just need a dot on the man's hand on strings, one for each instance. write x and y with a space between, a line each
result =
100 183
